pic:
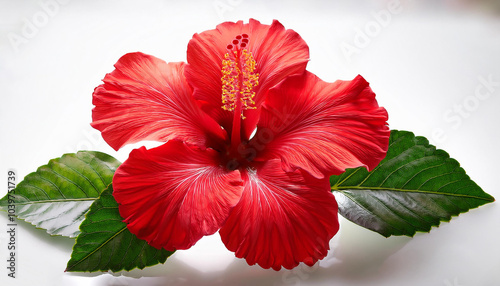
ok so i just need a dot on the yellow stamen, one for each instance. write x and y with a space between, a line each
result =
238 80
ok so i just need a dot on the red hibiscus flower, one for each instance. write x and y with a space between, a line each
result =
268 194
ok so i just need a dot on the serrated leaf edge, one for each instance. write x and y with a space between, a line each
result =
425 143
102 245
94 251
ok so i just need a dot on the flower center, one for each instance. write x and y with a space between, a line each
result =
238 77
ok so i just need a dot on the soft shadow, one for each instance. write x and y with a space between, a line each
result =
356 254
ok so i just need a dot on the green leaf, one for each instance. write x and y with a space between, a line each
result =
57 196
106 244
414 188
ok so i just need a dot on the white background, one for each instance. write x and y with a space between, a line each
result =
425 62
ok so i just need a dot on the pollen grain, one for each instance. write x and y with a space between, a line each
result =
238 77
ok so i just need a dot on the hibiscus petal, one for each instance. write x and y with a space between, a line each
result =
173 195
282 219
322 127
145 98
278 52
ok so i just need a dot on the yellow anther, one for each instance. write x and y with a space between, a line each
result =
239 80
